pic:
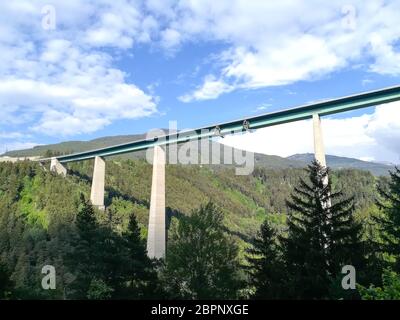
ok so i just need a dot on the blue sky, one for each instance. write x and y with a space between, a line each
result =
78 70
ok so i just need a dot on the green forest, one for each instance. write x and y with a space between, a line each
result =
275 234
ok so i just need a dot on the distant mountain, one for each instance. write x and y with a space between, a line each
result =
267 161
336 162
74 146
262 160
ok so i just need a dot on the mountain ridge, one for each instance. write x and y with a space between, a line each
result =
339 162
262 160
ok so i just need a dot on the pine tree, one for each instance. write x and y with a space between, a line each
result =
140 274
322 236
83 260
390 222
99 290
265 265
202 259
6 285
98 259
390 289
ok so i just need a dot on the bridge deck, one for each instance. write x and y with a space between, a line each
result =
303 112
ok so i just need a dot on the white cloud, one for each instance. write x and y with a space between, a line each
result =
65 81
370 136
290 61
210 89
263 106
161 7
387 60
276 43
60 82
11 135
4 147
170 38
84 89
14 141
117 25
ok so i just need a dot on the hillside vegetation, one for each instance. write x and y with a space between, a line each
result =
38 208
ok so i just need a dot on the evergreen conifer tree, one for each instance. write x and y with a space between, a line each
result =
323 236
139 271
265 264
202 260
83 260
6 285
390 222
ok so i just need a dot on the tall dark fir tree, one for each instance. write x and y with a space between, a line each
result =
83 260
265 264
139 270
390 222
6 285
323 236
202 260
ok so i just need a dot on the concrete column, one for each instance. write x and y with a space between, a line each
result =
156 232
97 192
319 150
57 167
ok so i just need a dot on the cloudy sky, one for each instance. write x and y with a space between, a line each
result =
81 69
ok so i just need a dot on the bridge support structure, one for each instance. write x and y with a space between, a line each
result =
156 238
97 191
57 167
319 150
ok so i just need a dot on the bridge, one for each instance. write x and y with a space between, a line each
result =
156 240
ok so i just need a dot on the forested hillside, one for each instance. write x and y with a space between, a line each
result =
336 162
38 209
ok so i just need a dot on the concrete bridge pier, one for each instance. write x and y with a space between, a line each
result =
319 151
57 167
156 238
97 191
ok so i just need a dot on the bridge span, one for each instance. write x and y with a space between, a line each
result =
156 241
